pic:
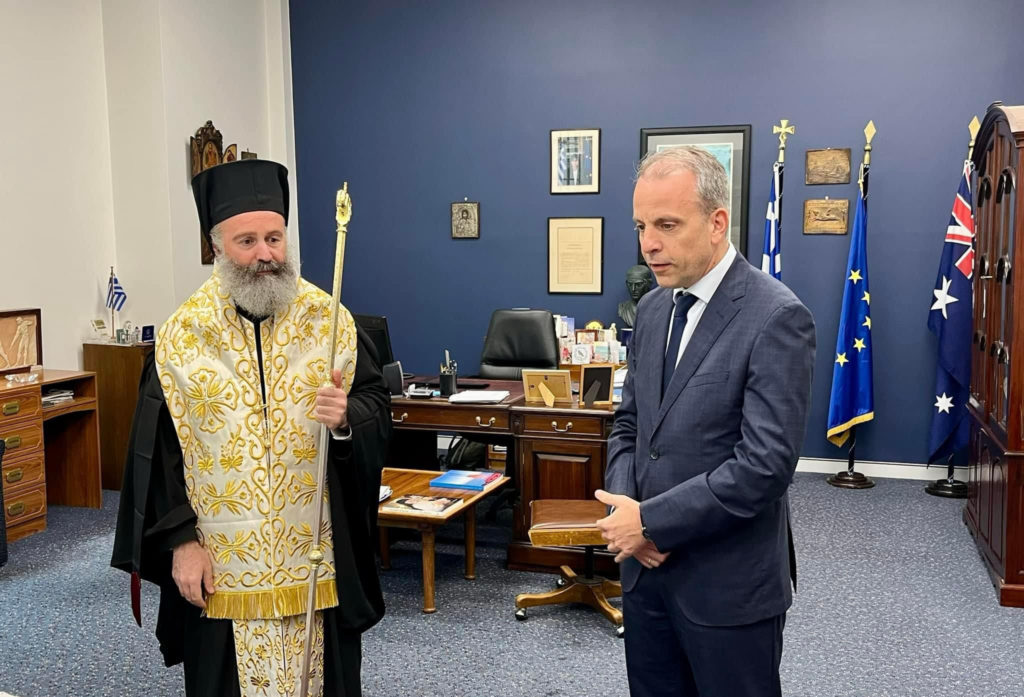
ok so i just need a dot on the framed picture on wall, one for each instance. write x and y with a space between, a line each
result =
575 248
21 340
576 161
466 220
731 146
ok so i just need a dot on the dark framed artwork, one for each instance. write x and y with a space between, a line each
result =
576 161
575 255
731 146
21 340
466 220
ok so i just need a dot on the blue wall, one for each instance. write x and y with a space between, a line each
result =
418 104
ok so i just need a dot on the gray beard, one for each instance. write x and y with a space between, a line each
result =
260 296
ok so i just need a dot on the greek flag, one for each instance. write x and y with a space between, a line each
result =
115 294
771 259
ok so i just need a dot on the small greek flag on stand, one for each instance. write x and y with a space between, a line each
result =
115 293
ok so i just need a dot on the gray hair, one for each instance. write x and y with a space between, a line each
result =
712 183
217 238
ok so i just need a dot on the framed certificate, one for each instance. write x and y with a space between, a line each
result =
575 255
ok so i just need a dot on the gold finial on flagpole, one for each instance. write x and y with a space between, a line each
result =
974 126
784 129
869 134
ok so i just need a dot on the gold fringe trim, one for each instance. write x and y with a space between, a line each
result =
260 605
837 435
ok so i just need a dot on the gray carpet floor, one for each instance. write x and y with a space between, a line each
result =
893 600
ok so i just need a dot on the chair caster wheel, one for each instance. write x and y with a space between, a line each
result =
560 583
521 614
620 632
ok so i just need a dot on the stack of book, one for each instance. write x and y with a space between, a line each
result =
55 397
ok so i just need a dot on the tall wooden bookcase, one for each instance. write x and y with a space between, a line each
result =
995 505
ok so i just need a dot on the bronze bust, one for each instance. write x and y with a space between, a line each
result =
638 282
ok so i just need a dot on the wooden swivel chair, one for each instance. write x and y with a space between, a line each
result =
565 523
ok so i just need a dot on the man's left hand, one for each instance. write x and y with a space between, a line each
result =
332 404
622 530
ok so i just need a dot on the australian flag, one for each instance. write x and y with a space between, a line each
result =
950 321
115 294
853 400
771 258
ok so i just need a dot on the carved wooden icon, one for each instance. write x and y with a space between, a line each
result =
829 166
826 216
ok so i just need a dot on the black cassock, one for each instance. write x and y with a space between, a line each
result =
155 516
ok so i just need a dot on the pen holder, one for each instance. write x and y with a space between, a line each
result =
447 381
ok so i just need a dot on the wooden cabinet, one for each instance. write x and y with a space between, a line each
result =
52 453
118 370
995 506
561 454
21 428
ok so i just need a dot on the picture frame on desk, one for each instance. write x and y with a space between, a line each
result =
575 255
21 340
601 375
731 146
557 381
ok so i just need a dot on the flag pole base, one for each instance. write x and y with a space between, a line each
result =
948 488
850 480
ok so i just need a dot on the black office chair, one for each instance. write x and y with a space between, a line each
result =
516 340
3 522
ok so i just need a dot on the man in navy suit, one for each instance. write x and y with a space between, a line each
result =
704 447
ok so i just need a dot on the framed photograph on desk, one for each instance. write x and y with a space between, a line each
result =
21 340
575 255
602 377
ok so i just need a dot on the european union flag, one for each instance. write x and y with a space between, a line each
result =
950 321
853 400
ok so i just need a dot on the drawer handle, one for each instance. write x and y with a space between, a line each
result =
11 408
568 426
481 424
12 442
16 509
15 475
400 419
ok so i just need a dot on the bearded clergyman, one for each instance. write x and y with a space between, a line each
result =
218 504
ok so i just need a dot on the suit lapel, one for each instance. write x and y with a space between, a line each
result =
653 365
724 305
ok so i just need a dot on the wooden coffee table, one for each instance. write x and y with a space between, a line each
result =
405 482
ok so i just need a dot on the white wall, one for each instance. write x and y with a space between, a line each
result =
55 181
100 97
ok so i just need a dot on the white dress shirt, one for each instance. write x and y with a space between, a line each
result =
703 289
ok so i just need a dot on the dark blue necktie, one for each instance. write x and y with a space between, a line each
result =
684 301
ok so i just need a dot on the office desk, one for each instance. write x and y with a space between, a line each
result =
558 453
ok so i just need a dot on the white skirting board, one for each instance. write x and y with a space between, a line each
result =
890 470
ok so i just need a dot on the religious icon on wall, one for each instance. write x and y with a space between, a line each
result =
466 220
206 149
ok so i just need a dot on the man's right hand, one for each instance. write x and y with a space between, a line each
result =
192 572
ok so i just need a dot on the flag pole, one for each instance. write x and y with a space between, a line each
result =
110 286
950 487
850 478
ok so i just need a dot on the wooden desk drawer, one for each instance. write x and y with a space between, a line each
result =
568 424
23 473
22 438
19 405
24 505
455 419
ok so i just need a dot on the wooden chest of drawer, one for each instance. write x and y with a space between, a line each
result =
18 405
25 511
23 473
23 438
568 424
474 418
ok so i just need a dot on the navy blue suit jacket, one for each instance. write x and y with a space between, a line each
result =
711 462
